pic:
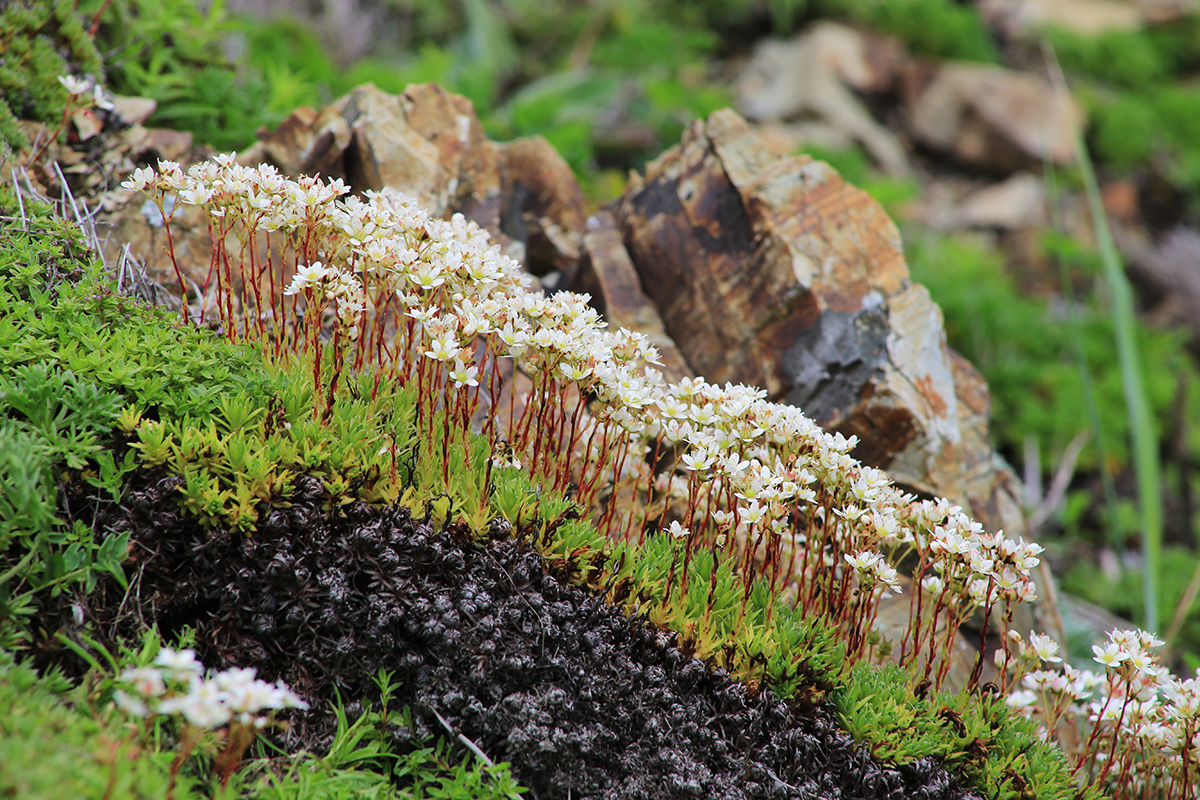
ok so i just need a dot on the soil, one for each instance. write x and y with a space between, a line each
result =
581 700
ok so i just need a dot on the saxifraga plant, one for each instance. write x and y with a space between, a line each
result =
374 288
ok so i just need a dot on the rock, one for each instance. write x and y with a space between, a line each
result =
608 275
1087 17
167 144
1171 269
134 110
543 206
1160 12
815 75
428 143
774 272
425 142
1017 202
989 118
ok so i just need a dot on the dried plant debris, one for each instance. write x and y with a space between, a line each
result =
583 701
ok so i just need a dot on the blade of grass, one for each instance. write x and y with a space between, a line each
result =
1112 515
1145 443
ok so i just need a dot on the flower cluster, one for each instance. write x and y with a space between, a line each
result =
375 283
84 92
175 685
232 702
1133 728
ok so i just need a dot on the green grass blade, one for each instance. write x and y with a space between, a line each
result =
1145 442
1116 539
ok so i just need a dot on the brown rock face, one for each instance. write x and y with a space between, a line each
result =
543 206
426 142
774 272
609 276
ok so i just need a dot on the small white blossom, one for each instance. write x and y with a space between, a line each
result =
180 665
75 86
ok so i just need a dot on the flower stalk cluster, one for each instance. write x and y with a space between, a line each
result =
374 283
233 702
1132 727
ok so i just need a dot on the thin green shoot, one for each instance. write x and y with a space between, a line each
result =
1111 515
1144 443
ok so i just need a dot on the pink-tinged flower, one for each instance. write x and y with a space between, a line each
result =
146 681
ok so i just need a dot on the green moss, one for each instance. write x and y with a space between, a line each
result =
938 28
1129 59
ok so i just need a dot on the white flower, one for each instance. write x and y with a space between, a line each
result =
723 519
1022 700
235 678
752 513
462 375
575 372
1111 655
980 563
1045 647
99 100
677 531
75 86
427 275
698 461
863 561
443 349
146 681
888 576
140 179
307 276
204 706
181 665
134 706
